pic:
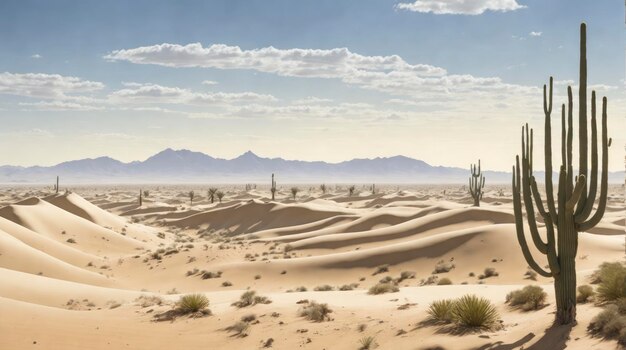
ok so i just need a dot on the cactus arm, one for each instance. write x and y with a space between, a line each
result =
519 225
576 195
586 205
606 143
582 113
537 198
526 190
547 108
570 138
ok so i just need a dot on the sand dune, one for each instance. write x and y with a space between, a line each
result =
52 286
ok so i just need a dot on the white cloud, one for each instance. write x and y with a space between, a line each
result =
535 33
35 56
48 86
59 106
390 74
312 63
209 82
460 7
153 93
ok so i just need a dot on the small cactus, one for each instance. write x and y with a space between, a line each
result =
476 183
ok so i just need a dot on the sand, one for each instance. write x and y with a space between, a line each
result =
79 269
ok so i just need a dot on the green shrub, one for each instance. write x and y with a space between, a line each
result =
250 298
609 323
191 303
585 293
382 288
612 279
367 343
323 288
381 269
475 312
527 298
441 310
315 312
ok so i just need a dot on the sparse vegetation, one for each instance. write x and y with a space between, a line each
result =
382 288
294 192
444 281
612 281
610 324
527 298
250 298
367 343
475 312
585 293
442 310
315 312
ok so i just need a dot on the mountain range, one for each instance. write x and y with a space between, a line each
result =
184 166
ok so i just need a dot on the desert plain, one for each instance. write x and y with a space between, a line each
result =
90 268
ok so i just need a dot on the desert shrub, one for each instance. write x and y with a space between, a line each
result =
612 281
315 312
382 288
248 318
191 303
441 310
621 305
527 298
531 275
442 267
606 268
323 288
350 286
404 275
381 269
475 312
609 323
301 289
226 284
585 293
444 281
386 279
490 272
240 328
250 298
208 275
367 343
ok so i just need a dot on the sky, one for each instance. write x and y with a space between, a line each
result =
446 82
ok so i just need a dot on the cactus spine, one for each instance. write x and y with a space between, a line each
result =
273 188
476 183
571 212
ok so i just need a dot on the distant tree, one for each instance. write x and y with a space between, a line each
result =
212 191
191 195
219 195
323 188
294 192
351 190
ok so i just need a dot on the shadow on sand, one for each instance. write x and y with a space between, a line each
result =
555 338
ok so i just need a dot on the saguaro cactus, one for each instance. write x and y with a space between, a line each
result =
56 187
476 183
273 188
140 197
571 212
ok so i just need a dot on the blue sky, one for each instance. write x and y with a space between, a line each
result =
342 79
